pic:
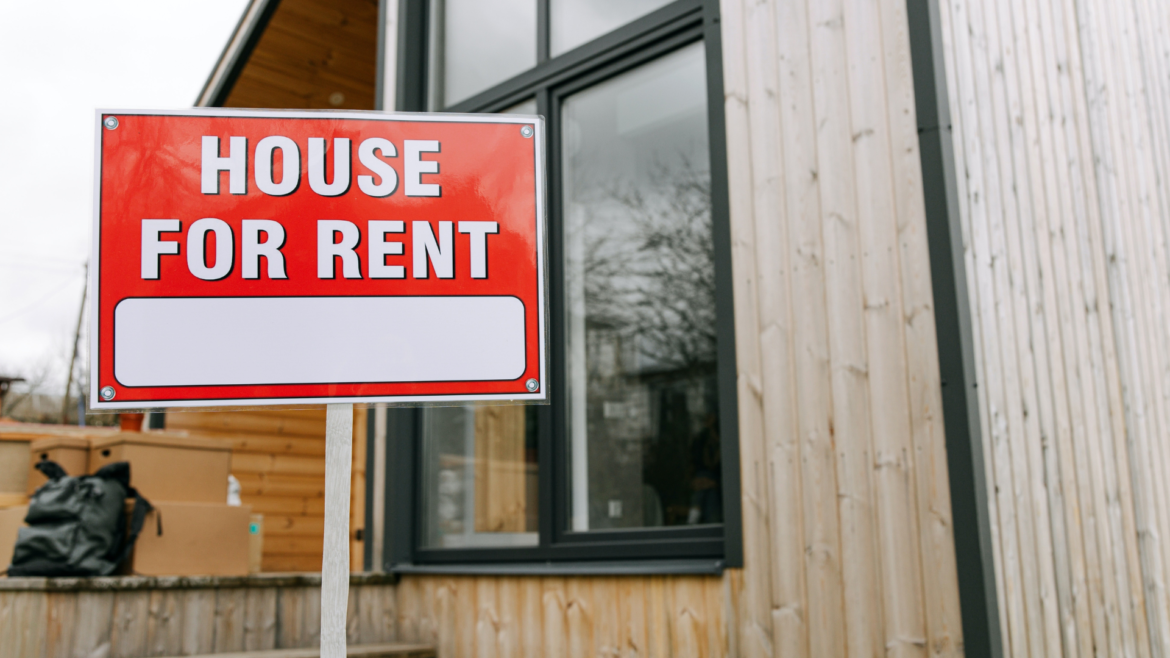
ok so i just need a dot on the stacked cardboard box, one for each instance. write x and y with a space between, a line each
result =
13 483
13 469
20 445
192 530
11 519
71 452
17 476
168 466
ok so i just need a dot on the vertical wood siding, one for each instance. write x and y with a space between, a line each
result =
505 617
847 530
1062 142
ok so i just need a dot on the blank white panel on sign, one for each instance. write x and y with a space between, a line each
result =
226 341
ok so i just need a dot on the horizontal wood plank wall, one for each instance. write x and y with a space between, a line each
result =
279 458
848 543
314 54
1062 139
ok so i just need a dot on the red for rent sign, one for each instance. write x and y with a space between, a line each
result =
254 257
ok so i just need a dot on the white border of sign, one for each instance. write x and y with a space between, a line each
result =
542 394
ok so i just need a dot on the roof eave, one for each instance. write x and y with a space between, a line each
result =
235 54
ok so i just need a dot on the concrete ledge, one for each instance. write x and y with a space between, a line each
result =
131 583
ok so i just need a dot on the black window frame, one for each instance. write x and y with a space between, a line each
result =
676 549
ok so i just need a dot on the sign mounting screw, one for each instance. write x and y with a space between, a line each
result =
526 131
110 123
532 385
107 393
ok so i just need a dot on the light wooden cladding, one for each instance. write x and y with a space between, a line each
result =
501 474
314 54
279 458
1061 138
534 617
847 534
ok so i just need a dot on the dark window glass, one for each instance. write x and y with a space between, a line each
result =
480 470
479 482
626 460
643 441
525 107
476 44
575 22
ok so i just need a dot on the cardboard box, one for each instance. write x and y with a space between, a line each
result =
13 464
12 500
32 435
11 520
197 540
168 467
71 452
255 543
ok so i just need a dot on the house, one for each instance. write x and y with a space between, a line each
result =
858 320
5 384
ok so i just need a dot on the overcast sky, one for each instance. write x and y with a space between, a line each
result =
62 60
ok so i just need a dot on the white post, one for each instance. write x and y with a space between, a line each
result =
378 532
335 563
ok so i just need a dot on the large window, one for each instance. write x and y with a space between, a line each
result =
635 458
639 291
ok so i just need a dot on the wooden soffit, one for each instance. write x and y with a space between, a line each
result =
299 54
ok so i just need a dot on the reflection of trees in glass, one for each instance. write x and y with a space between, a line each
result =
641 298
650 291
653 279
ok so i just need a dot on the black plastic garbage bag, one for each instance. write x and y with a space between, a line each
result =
77 525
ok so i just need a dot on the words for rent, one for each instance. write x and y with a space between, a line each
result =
338 240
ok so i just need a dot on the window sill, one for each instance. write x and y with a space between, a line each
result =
689 567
